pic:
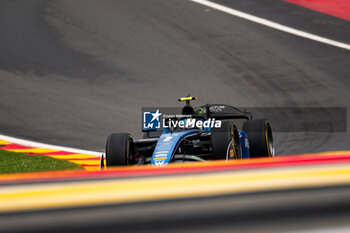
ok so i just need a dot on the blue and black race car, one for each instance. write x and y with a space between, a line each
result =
203 133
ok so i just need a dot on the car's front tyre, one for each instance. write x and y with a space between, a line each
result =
118 149
260 138
225 141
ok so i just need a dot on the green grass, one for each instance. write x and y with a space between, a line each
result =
11 162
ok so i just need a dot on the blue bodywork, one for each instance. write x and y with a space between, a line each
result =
244 144
168 143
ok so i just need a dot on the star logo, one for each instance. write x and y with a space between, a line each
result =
156 115
151 120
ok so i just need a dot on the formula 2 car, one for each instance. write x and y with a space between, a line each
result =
203 133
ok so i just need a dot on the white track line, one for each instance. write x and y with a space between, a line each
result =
271 24
216 6
47 146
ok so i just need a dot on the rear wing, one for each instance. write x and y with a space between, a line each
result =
222 111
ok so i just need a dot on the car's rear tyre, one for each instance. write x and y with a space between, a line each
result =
260 138
118 149
225 141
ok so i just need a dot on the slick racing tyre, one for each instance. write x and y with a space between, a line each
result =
225 141
118 149
260 138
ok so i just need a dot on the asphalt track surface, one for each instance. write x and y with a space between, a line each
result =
72 72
